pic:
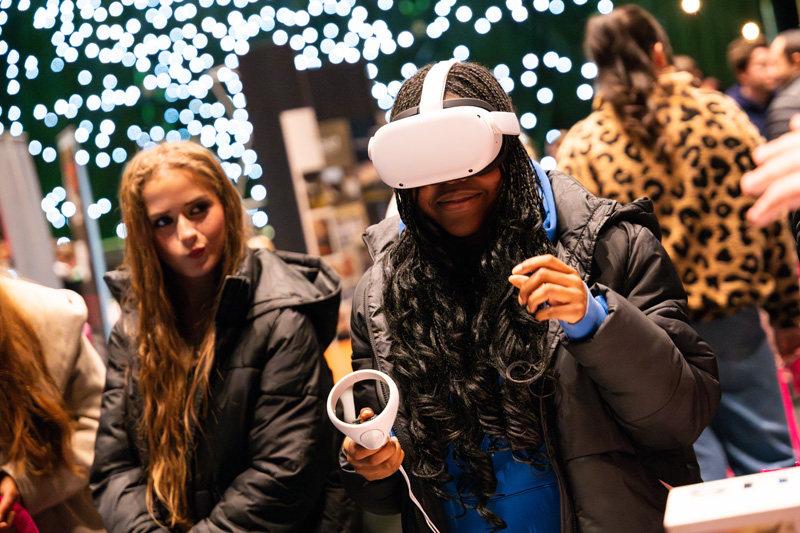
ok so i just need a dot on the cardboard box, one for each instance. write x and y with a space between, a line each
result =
768 502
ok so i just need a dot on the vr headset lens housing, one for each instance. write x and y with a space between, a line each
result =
441 140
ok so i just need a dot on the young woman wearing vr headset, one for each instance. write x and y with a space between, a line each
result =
549 378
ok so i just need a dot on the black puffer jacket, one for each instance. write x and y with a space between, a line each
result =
629 402
265 446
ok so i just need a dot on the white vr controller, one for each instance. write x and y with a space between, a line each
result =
372 433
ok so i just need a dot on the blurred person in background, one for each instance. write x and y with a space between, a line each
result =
653 133
684 63
755 83
785 55
67 268
51 382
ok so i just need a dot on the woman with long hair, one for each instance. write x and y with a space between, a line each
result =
548 374
213 413
653 133
51 382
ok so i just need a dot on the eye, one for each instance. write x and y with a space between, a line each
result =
199 208
162 222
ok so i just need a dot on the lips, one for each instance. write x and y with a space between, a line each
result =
456 198
457 201
197 252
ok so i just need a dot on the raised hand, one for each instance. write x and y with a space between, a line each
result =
777 177
547 279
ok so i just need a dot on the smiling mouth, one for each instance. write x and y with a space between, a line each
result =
457 200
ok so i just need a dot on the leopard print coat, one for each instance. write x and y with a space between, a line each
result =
725 264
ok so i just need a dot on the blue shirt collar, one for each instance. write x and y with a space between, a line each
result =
546 191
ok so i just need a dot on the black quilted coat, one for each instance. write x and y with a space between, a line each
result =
265 447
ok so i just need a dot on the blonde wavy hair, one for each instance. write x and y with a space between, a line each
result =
173 369
35 427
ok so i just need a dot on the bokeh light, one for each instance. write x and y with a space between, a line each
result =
690 6
170 68
751 31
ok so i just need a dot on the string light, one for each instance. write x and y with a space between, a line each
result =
751 31
690 6
174 57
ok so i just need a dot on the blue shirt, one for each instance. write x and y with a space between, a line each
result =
755 112
526 499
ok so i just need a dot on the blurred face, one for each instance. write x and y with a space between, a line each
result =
188 223
759 73
781 67
461 207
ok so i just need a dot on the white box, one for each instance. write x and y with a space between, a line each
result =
768 502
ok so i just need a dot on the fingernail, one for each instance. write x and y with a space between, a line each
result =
516 269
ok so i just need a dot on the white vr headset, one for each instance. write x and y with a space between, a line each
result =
440 140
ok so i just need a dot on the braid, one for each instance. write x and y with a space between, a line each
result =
471 360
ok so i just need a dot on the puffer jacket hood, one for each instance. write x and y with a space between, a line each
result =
291 280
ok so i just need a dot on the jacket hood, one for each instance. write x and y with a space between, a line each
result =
583 216
380 236
266 281
289 279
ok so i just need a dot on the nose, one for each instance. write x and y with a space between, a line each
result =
457 181
187 232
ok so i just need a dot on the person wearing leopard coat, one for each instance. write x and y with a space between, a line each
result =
686 149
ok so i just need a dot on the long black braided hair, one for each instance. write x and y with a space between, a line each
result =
471 361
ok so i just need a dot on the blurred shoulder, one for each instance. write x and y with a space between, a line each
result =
46 308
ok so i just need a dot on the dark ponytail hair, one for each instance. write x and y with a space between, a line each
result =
621 44
471 361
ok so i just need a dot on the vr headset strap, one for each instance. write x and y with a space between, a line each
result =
433 88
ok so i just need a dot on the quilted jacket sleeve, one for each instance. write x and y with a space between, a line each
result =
383 496
117 479
289 438
650 366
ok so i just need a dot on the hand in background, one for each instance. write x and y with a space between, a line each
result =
787 342
551 281
10 495
776 179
